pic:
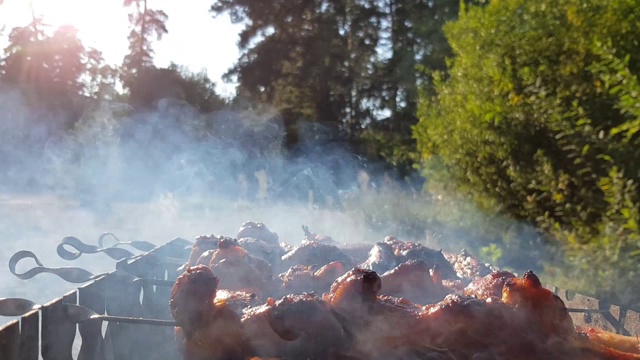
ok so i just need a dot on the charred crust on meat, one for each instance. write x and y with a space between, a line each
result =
532 279
227 243
371 285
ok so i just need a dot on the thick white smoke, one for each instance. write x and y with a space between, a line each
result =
159 175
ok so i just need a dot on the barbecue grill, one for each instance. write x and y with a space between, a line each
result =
46 332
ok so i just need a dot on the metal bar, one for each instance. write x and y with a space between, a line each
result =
590 311
131 320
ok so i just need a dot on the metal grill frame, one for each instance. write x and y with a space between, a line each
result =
45 333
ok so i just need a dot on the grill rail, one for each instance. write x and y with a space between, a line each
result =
612 318
46 332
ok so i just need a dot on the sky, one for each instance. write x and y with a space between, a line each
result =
103 24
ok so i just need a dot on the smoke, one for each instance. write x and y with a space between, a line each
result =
157 175
173 172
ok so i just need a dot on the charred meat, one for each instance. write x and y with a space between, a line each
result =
295 327
314 253
415 281
258 230
425 305
300 278
488 286
467 266
206 330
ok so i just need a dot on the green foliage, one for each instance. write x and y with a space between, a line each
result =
493 252
198 90
354 64
538 118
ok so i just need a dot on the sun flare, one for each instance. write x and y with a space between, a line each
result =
101 23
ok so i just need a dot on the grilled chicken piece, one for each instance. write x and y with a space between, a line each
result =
300 278
202 244
207 329
314 253
388 254
467 266
326 275
238 270
414 281
547 310
471 328
529 322
272 253
376 320
356 287
488 286
628 344
433 258
295 327
238 301
381 258
226 247
258 230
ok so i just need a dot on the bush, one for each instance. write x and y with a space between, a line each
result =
537 118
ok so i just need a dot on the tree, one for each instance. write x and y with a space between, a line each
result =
413 46
145 24
537 118
55 67
307 59
354 64
198 90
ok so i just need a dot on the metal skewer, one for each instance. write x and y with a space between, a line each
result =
74 313
78 314
576 310
112 251
72 274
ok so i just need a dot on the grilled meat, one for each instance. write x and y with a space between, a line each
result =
300 278
488 286
414 281
467 266
207 330
202 244
629 344
376 320
326 275
547 310
295 327
381 258
366 316
258 230
270 252
388 254
357 251
432 258
314 253
240 271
